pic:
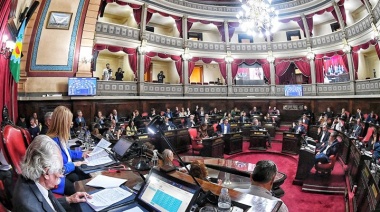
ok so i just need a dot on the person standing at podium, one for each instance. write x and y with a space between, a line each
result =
262 179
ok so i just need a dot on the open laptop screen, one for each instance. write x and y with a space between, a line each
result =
122 146
162 192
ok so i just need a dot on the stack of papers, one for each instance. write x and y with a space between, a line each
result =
99 155
106 182
106 197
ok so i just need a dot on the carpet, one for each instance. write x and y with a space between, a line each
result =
295 198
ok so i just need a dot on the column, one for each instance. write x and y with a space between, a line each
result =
140 72
352 72
143 21
272 78
337 10
230 91
185 75
368 5
313 77
306 28
226 34
184 31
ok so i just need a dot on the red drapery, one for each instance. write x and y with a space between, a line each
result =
319 70
8 87
147 63
263 62
136 8
319 64
219 25
177 61
304 66
221 62
131 52
281 67
355 53
178 20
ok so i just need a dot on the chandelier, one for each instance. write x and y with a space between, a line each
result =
258 17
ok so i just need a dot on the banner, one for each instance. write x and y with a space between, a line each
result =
15 61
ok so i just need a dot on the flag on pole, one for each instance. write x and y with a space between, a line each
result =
15 61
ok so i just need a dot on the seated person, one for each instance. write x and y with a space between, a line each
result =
167 160
205 119
225 127
262 179
332 147
323 137
202 132
337 125
329 113
99 118
256 125
372 140
306 111
275 111
42 171
191 122
243 117
34 129
357 129
79 120
131 130
113 132
376 151
269 119
254 111
299 129
199 170
168 125
59 132
305 119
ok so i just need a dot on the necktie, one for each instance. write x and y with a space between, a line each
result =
53 201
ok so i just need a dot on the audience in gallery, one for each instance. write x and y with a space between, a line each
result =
119 75
107 72
59 131
42 171
21 121
262 179
306 111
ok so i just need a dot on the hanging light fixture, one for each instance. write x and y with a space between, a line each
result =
258 17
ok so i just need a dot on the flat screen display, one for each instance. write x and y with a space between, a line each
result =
82 86
293 90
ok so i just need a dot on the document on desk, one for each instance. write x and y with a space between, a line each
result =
134 209
103 144
106 197
106 182
98 161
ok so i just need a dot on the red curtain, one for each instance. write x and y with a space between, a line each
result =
223 68
136 8
178 65
263 62
377 50
178 20
147 63
319 75
8 87
355 58
281 67
345 62
220 25
191 66
304 66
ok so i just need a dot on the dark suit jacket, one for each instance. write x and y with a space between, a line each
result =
27 197
333 150
325 139
358 130
222 126
302 129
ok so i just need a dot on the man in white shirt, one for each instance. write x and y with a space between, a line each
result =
42 170
106 72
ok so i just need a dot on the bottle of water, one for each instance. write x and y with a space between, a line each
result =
154 159
224 201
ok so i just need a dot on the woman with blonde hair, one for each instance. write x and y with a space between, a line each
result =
59 131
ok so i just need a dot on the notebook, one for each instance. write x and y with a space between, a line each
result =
162 192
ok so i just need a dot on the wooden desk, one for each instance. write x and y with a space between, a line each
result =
245 129
213 147
270 127
258 139
253 203
291 143
305 164
233 143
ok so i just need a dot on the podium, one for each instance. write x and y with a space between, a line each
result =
258 139
291 143
213 147
233 143
305 164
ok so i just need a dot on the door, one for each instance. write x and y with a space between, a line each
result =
197 75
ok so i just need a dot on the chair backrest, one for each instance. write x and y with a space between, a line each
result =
14 146
28 139
332 161
144 114
193 133
369 134
215 126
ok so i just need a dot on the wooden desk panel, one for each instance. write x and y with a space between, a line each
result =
233 143
291 143
258 139
213 147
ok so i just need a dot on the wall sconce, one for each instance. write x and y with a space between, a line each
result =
186 55
270 57
310 55
7 47
346 48
229 58
85 55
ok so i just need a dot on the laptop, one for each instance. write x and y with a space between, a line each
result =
122 147
162 192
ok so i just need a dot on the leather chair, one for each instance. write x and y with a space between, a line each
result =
368 135
27 138
215 127
14 146
196 147
326 168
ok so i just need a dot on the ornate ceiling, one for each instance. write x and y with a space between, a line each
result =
230 2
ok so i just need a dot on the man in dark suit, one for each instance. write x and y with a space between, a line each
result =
169 113
357 129
168 125
299 129
305 119
323 156
191 122
323 137
42 171
79 120
225 127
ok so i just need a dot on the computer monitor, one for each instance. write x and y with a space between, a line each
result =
82 86
122 146
162 192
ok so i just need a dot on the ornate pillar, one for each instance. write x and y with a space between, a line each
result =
141 69
186 57
229 59
184 30
306 28
143 21
310 56
226 34
347 50
340 18
271 59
